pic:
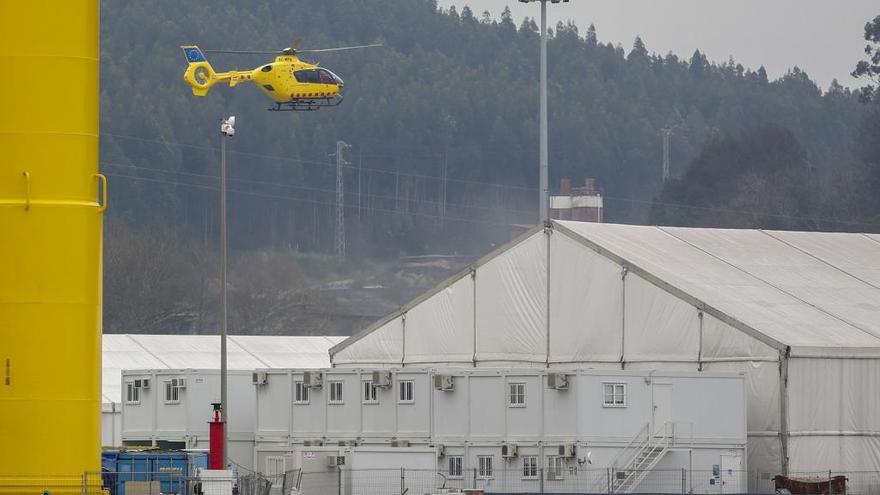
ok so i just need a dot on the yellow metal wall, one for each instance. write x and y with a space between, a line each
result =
50 243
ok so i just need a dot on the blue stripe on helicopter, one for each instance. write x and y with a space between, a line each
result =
194 55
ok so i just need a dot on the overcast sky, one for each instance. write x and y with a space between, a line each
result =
823 37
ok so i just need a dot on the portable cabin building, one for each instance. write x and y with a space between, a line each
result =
155 352
171 409
514 419
797 312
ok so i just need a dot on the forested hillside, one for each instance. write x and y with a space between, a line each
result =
451 94
443 126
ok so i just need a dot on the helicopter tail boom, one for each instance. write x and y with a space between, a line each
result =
202 77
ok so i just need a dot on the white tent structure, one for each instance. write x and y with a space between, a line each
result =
160 352
798 313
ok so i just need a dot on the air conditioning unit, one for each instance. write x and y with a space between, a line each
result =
382 379
557 381
142 383
400 443
567 450
508 450
335 460
178 382
313 443
444 382
313 379
441 449
347 443
259 378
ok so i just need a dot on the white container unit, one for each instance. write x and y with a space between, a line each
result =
171 409
483 421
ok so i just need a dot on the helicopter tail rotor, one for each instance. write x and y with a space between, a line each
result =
199 73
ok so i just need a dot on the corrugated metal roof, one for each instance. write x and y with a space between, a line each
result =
244 352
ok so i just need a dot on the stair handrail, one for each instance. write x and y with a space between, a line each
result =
624 452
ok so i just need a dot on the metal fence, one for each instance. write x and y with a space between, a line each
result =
538 481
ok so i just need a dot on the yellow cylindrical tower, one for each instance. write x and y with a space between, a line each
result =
50 246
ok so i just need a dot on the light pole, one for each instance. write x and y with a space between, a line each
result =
227 130
543 159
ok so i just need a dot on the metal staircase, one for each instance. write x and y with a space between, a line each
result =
640 456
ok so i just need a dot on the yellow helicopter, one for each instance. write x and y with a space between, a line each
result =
293 84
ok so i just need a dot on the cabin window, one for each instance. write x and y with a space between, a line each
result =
455 465
370 396
274 466
301 393
336 392
172 392
614 395
555 465
406 392
516 395
267 68
530 467
307 76
484 467
132 393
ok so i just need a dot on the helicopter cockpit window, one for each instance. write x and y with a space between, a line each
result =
307 76
326 76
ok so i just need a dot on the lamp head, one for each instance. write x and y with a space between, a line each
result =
227 126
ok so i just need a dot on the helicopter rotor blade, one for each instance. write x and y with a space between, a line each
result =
244 52
339 49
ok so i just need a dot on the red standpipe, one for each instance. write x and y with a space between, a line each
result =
217 431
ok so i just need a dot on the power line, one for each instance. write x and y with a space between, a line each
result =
320 163
466 181
292 198
302 187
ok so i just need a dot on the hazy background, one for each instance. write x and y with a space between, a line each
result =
820 36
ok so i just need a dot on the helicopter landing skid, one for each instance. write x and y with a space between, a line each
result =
306 105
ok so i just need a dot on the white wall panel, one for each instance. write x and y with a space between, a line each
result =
512 310
384 345
586 307
762 382
810 454
659 326
413 419
834 395
486 407
722 341
524 423
443 325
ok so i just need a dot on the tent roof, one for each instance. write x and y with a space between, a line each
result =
801 289
244 352
817 293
